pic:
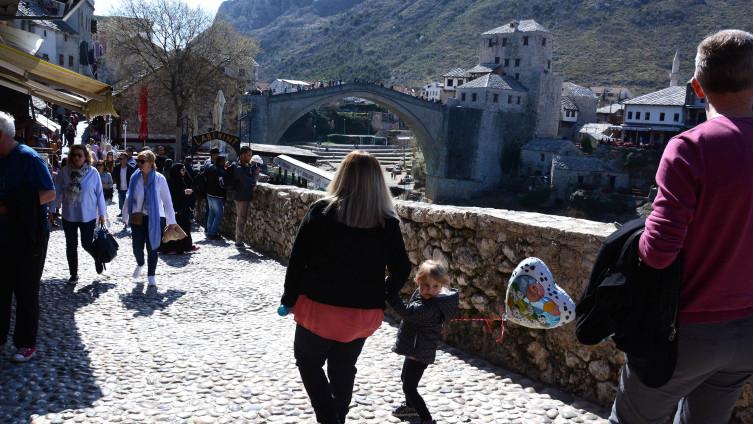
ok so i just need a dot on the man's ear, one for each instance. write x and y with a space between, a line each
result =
697 88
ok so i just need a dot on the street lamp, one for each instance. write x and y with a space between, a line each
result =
125 134
108 122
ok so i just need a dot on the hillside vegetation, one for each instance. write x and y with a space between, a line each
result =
618 42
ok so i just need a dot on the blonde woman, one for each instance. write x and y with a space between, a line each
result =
147 208
335 283
79 190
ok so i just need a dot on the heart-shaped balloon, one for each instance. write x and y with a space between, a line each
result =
534 299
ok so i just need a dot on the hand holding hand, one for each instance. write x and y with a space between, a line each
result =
283 310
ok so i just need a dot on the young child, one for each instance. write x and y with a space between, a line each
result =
107 182
428 308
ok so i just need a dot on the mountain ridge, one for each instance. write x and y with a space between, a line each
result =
597 42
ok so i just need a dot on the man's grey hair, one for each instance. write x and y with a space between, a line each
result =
7 124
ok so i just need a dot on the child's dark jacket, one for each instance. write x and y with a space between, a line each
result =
419 332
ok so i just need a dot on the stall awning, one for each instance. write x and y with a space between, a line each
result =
47 123
29 74
318 177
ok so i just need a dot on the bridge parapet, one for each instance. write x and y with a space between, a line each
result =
349 87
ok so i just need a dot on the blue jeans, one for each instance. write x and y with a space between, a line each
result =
216 208
140 237
121 198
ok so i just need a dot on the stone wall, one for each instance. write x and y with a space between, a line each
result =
482 246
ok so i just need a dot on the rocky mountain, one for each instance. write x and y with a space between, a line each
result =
410 42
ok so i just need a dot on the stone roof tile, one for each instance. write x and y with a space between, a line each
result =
567 103
579 163
670 96
495 81
526 25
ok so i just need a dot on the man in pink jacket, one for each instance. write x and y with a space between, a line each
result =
704 212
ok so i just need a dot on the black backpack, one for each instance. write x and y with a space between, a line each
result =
635 304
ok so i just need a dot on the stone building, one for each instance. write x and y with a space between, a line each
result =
68 43
536 156
568 117
569 173
611 94
493 92
432 92
611 114
584 101
519 51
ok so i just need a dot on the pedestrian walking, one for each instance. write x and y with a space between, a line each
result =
431 305
215 177
703 214
336 291
107 183
122 176
147 208
181 195
26 187
79 193
245 175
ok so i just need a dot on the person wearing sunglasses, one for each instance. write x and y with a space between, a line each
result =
147 208
79 191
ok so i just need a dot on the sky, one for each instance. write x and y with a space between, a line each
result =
105 7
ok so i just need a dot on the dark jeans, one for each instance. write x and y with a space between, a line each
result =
22 272
140 237
71 230
412 372
330 399
121 199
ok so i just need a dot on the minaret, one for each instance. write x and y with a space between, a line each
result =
675 70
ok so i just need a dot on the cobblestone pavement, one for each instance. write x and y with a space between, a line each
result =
206 346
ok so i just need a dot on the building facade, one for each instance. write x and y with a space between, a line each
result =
569 173
536 156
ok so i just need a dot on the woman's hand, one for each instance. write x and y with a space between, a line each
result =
102 220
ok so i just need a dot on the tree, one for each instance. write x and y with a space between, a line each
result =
185 48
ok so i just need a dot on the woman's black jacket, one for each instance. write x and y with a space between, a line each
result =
338 265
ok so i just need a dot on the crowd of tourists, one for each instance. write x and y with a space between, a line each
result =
702 218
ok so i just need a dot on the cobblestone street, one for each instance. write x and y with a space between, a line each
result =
206 346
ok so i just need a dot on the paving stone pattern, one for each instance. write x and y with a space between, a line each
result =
206 346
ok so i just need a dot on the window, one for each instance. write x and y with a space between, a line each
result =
496 98
517 62
449 82
509 100
542 157
525 40
648 116
65 37
548 64
496 60
677 117
61 60
661 116
241 72
518 99
491 43
70 61
45 33
507 62
637 115
543 41
23 25
473 97
580 179
630 115
462 97
504 42
517 76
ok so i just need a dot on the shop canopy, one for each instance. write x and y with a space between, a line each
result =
34 76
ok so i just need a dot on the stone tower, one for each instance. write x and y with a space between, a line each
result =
675 74
523 50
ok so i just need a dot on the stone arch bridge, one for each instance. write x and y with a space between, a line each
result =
462 154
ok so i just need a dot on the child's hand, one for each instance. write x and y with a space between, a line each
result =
283 310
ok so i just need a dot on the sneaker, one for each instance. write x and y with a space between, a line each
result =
99 266
152 281
23 354
405 410
73 280
137 271
239 244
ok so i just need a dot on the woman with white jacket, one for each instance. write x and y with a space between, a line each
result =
147 208
79 190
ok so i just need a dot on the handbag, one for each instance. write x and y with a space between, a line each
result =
137 218
105 246
173 233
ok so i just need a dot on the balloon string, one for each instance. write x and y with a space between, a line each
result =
488 322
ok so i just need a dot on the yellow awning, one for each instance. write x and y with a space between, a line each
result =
29 74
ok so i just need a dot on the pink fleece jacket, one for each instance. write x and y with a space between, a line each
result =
704 211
